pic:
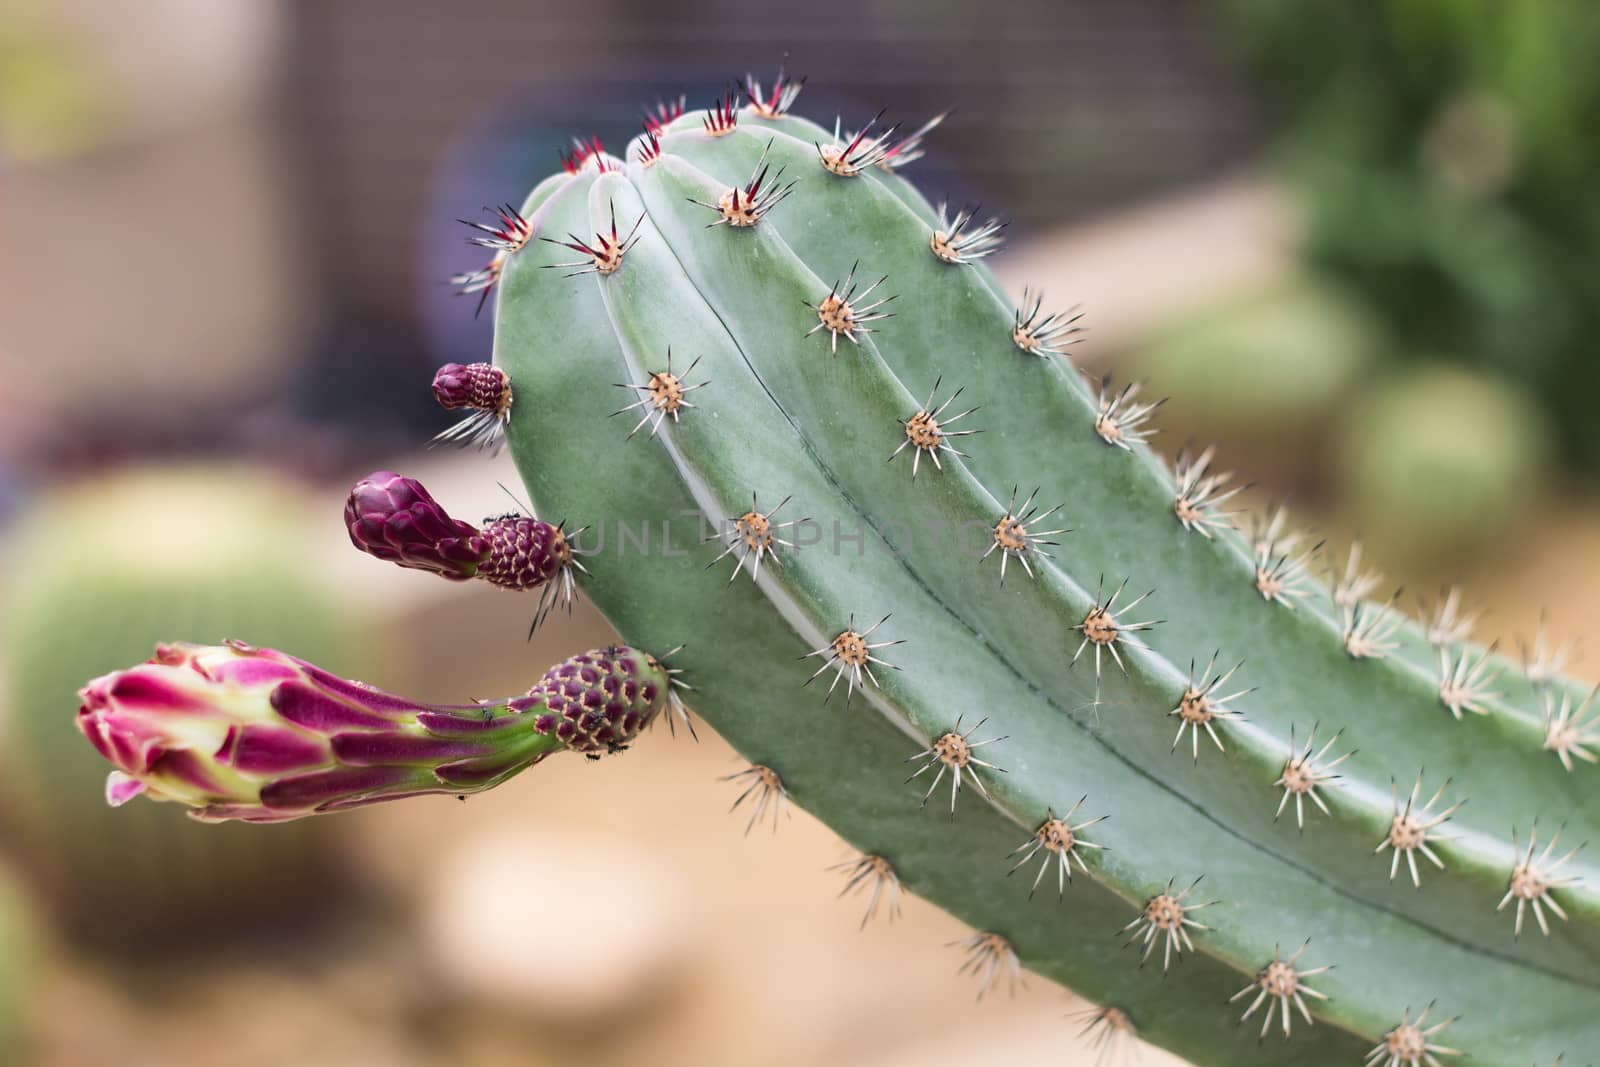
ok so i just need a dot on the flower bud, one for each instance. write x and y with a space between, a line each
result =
236 732
480 386
396 519
484 389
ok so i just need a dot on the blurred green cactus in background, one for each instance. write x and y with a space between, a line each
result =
1436 459
19 937
1277 361
98 574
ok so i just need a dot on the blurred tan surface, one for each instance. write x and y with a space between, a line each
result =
1164 259
171 222
161 216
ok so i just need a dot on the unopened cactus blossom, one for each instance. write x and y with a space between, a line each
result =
395 519
481 388
254 734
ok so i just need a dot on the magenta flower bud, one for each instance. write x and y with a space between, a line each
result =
482 387
236 732
395 519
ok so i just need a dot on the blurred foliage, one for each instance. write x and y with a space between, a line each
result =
96 575
1448 152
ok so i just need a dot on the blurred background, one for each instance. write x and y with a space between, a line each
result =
1359 244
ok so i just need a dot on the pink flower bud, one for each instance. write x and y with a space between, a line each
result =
236 732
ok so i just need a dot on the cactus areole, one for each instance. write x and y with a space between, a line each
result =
1336 866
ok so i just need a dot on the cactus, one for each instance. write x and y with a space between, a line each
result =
1133 689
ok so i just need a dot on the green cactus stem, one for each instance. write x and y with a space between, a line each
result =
757 250
869 410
